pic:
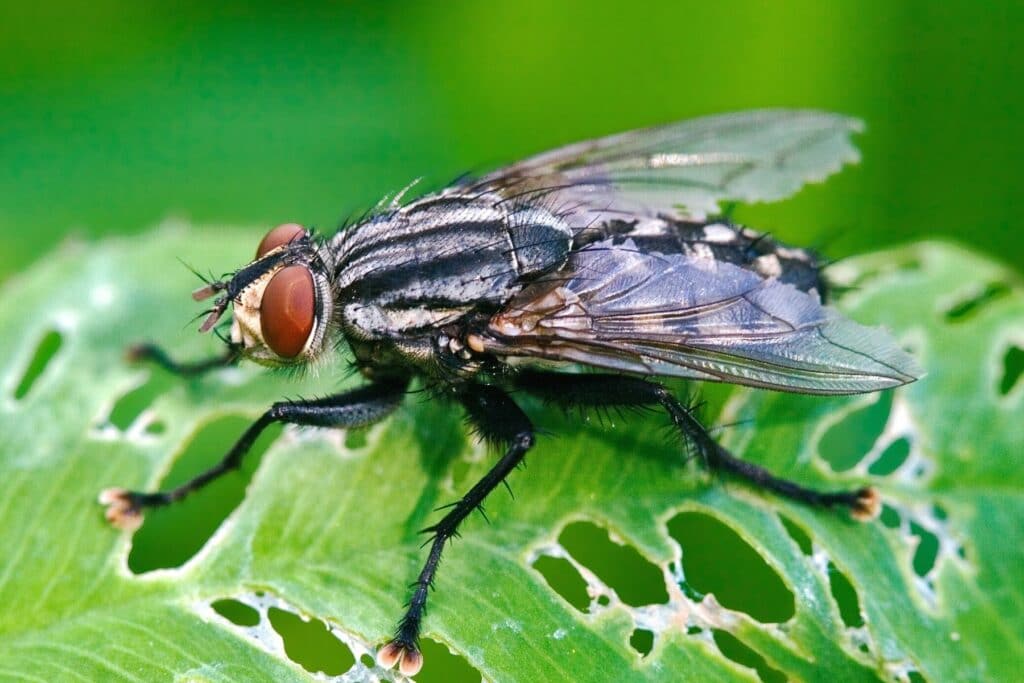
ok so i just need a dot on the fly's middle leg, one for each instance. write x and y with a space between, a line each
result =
356 408
621 391
499 420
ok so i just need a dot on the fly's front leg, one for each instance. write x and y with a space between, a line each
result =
615 391
152 353
498 419
357 408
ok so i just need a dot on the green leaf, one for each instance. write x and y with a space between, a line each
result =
327 527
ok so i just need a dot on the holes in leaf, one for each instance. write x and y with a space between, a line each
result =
890 517
563 578
927 545
891 458
1013 368
636 580
972 304
173 534
131 405
847 441
733 648
440 665
46 349
238 613
717 560
272 623
311 644
927 549
845 596
798 535
642 641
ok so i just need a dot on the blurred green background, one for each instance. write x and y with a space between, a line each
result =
118 114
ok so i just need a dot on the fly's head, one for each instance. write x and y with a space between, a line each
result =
281 301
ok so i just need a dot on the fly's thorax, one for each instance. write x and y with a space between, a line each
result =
411 271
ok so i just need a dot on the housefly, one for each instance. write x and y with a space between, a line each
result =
602 255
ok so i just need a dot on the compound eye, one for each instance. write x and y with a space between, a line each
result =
282 234
288 311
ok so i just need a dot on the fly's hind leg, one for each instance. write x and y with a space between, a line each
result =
499 420
151 353
622 391
356 408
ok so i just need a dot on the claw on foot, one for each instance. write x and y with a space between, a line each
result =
123 510
867 506
406 655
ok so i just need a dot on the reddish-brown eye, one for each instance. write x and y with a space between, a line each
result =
288 311
282 234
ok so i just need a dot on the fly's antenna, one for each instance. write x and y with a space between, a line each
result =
219 305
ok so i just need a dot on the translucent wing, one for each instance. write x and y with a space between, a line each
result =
749 156
615 307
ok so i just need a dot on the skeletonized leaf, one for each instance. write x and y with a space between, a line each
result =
328 525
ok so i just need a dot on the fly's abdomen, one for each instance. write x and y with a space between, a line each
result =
716 240
432 262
